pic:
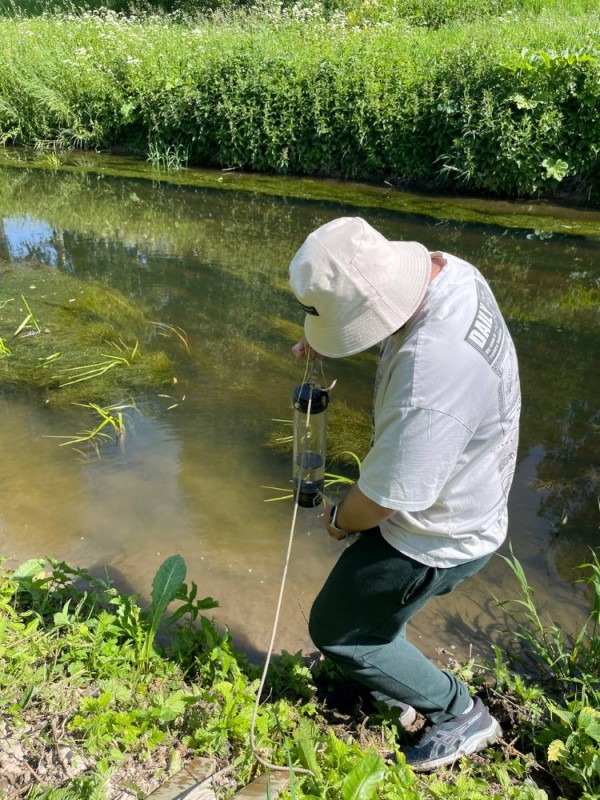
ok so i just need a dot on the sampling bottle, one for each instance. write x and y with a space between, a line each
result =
310 441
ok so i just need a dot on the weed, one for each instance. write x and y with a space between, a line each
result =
170 158
425 92
111 418
165 329
4 349
568 662
82 658
332 480
87 372
89 346
563 700
29 323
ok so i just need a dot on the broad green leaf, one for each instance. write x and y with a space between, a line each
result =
593 731
29 569
562 713
308 756
166 583
362 782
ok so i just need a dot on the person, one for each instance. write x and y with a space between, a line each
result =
431 499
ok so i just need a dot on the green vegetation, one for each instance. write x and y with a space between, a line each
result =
499 98
69 341
112 418
100 691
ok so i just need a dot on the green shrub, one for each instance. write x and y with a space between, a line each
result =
461 107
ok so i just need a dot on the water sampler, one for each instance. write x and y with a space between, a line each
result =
310 442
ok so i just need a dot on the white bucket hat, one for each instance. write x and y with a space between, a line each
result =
355 286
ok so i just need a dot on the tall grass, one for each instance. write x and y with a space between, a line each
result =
507 108
563 691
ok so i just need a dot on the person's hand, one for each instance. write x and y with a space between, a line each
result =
302 349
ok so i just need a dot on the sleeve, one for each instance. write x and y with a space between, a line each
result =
415 452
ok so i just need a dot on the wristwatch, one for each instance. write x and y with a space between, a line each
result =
333 520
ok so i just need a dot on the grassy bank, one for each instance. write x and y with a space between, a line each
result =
96 703
459 96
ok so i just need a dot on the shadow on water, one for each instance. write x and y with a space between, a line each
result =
191 476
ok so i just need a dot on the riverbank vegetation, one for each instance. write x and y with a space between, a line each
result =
104 696
498 98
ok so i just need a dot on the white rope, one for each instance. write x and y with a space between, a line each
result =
257 755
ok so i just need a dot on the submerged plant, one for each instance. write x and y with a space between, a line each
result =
165 329
332 480
86 372
111 418
29 322
4 350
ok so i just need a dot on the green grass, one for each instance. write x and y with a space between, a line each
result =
83 666
457 107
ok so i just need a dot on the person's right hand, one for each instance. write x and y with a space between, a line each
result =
302 349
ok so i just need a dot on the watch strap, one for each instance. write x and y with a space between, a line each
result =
333 520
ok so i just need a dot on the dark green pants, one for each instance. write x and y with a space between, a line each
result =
359 621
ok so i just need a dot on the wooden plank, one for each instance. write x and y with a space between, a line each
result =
265 786
184 784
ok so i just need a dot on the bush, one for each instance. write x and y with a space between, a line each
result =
460 108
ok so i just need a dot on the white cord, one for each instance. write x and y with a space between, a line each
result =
257 755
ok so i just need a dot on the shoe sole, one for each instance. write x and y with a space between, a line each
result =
474 745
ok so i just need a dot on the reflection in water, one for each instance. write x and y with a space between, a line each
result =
190 478
26 237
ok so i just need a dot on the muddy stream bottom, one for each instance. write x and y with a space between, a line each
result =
127 512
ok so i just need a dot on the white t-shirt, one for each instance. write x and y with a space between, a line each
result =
446 420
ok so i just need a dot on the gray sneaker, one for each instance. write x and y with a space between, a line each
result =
448 741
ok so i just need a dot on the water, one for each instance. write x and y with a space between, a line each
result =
191 476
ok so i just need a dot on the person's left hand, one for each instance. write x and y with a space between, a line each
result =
302 349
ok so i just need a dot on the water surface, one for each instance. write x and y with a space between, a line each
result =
190 477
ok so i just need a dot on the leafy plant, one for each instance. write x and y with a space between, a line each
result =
573 745
409 91
165 586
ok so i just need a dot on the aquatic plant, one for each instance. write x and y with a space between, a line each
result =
170 158
87 372
89 345
29 322
164 329
111 418
4 349
332 479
